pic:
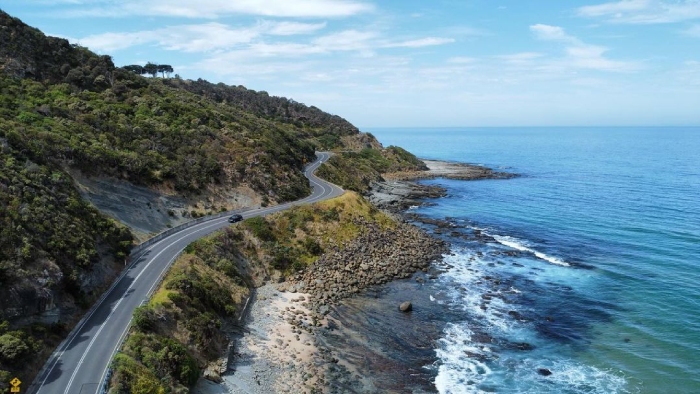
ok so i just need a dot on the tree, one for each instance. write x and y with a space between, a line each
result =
151 68
165 68
12 348
135 68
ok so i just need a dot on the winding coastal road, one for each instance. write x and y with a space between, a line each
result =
80 364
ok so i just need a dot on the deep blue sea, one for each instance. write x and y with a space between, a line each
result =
589 278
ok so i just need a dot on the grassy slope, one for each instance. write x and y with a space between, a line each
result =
209 284
293 239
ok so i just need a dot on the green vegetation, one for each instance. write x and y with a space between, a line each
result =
151 133
64 108
290 240
44 219
210 282
150 363
50 239
178 332
357 170
150 68
321 128
77 109
19 347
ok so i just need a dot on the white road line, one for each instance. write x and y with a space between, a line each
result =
243 311
85 352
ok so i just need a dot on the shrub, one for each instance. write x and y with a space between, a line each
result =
282 257
260 228
144 318
12 348
313 247
133 378
228 267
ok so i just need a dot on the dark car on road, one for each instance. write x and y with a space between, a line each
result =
235 218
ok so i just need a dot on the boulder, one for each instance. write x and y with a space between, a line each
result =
544 372
211 373
405 307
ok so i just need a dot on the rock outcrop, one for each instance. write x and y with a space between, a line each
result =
375 257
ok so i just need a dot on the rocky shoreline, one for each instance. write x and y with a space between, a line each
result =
376 257
399 191
279 351
449 170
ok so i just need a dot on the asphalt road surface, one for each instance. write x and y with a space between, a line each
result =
80 364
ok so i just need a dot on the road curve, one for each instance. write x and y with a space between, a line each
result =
79 365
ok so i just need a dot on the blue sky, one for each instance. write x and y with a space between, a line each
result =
415 63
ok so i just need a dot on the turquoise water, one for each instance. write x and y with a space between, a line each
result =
596 248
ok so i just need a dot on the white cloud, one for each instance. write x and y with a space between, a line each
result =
347 40
644 11
521 58
421 42
108 42
592 57
689 74
579 54
294 28
196 38
220 8
552 33
615 8
187 38
203 38
288 49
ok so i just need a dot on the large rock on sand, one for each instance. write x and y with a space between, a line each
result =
212 373
405 306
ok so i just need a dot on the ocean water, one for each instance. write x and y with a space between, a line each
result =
580 276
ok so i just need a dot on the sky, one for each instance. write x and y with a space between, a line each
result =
415 63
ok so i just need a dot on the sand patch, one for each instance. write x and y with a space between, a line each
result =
278 352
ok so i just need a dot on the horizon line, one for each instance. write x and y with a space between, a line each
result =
528 127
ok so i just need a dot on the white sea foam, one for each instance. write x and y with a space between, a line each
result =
515 243
466 366
459 371
462 272
568 376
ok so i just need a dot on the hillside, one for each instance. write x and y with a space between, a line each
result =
94 156
78 108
